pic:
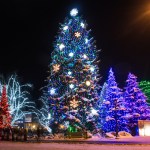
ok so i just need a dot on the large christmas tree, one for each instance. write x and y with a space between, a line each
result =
73 77
4 114
112 107
136 105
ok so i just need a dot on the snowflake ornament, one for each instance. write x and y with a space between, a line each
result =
71 86
52 91
74 103
82 25
56 67
77 34
61 46
65 28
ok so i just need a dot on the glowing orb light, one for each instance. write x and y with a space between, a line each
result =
92 69
86 41
84 56
71 54
88 83
69 72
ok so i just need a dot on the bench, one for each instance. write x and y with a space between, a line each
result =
77 135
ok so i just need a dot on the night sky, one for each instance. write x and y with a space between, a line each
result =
28 28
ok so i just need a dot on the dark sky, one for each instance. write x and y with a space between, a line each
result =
28 28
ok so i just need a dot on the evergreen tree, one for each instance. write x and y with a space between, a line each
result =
100 105
103 93
5 115
112 109
43 113
136 105
145 87
73 76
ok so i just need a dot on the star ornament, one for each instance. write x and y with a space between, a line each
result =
74 103
74 12
77 34
56 67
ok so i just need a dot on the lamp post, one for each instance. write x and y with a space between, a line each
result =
116 118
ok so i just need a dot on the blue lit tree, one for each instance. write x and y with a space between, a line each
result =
137 108
73 76
112 108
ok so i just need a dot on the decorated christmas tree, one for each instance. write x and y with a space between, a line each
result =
112 107
136 105
145 87
5 115
73 77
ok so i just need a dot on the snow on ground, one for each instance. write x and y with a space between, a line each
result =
60 146
100 140
121 134
98 143
135 139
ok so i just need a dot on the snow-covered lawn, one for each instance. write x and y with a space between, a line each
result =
56 146
126 140
97 140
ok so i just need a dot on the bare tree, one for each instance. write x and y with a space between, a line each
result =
18 98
